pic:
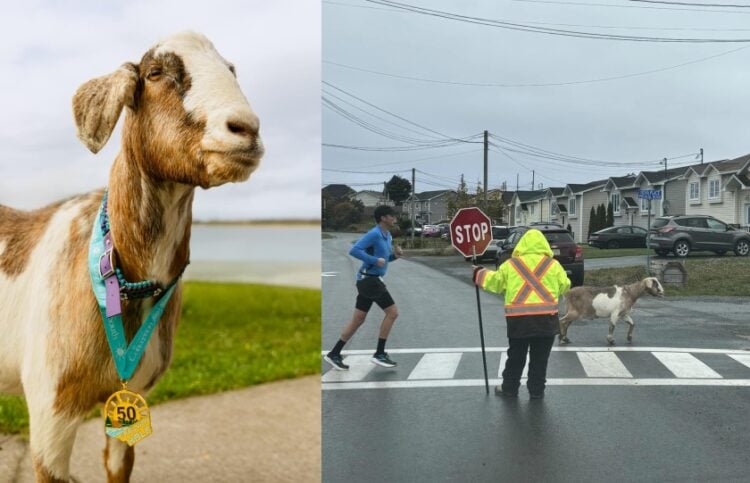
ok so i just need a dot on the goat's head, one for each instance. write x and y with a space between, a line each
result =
653 286
187 120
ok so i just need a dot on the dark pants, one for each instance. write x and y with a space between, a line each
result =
539 349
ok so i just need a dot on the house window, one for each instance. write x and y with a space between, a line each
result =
714 186
572 206
695 191
615 203
644 205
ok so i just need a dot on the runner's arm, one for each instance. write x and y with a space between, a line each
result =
358 250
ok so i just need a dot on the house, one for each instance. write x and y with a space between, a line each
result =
623 194
720 189
526 207
371 199
580 198
429 206
554 211
671 183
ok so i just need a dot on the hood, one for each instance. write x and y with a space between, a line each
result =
532 242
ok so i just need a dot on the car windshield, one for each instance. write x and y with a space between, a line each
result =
556 237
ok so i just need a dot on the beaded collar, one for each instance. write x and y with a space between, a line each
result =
132 290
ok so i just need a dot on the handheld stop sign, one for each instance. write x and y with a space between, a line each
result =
471 234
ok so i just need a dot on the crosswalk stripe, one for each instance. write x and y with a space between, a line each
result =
359 368
599 381
741 358
685 365
504 359
436 366
602 364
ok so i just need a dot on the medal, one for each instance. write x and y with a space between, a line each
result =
127 417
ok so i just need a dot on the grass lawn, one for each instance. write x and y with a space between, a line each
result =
726 276
230 336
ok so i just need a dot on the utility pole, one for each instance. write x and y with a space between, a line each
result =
413 170
664 189
533 173
516 181
701 155
486 149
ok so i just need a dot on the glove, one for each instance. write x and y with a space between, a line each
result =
477 270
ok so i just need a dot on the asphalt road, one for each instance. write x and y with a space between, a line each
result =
672 406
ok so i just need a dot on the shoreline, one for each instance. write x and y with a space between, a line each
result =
289 274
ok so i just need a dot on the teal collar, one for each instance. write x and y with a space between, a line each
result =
126 356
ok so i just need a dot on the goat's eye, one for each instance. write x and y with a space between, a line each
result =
154 74
231 69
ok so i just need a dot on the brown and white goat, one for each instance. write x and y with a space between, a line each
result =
614 303
187 124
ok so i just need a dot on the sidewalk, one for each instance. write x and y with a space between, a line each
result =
266 433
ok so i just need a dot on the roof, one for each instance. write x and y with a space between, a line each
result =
562 208
658 176
580 188
619 182
526 196
629 202
376 194
556 191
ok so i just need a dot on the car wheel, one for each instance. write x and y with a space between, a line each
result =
662 253
682 248
614 244
742 248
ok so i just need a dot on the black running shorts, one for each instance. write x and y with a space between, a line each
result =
372 289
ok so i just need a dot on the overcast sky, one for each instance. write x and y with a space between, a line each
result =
49 48
375 52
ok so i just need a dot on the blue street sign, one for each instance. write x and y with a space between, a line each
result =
649 194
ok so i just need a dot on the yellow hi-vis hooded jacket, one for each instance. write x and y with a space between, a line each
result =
531 279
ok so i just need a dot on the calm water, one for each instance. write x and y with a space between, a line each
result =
255 243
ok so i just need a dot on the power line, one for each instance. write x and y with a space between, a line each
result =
543 30
589 4
693 4
546 84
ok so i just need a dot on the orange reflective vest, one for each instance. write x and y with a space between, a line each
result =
532 284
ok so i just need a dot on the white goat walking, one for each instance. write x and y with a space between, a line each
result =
187 124
613 302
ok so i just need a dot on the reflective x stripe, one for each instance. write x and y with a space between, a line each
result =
532 280
535 309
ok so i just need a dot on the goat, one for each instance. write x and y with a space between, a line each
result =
187 124
601 302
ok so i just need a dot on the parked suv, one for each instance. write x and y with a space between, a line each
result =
686 233
564 249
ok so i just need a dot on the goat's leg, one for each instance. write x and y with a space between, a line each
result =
630 322
118 460
565 322
52 434
612 323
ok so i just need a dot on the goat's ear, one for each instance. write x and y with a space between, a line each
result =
98 103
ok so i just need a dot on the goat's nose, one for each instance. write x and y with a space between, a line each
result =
243 128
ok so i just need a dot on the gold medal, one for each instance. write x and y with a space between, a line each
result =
126 417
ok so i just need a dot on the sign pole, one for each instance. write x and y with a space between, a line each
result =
481 330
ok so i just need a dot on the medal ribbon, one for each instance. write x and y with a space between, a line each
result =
126 356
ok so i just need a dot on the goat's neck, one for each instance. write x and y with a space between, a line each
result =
635 289
150 223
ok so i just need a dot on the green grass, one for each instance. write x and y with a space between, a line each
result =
230 336
728 276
